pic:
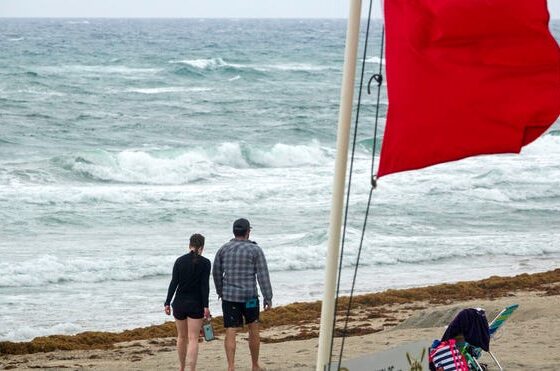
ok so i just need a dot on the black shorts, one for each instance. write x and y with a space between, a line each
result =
184 308
234 313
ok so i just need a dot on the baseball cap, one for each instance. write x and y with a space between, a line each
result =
241 226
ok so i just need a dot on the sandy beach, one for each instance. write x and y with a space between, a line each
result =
528 341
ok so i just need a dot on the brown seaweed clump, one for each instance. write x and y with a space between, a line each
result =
296 314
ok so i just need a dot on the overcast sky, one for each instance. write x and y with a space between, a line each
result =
190 8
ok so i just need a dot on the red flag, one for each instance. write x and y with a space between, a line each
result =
466 77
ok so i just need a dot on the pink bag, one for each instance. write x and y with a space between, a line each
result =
446 357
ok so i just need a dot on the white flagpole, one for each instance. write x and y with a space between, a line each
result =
344 123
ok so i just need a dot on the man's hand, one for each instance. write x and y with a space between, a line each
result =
207 314
167 310
267 306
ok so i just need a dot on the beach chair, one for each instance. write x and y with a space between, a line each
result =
472 354
471 325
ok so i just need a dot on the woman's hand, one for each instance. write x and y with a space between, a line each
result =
207 314
167 310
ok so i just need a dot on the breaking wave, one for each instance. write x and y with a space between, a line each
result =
48 269
187 166
25 332
219 63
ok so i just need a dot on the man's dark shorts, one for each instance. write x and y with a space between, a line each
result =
186 308
234 313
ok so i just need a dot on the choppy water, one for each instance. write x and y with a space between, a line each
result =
120 138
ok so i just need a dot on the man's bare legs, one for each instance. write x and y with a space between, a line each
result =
254 345
192 350
182 331
229 344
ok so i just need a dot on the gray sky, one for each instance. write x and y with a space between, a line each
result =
190 8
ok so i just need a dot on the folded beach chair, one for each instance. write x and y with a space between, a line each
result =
471 324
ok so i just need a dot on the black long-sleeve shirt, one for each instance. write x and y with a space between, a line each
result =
190 279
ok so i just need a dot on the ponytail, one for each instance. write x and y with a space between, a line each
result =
196 243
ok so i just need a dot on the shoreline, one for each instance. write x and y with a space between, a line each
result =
371 313
527 342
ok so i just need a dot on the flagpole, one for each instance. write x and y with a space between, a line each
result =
337 204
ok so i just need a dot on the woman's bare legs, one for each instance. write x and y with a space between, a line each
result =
182 333
194 326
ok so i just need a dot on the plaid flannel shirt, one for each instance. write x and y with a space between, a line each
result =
235 266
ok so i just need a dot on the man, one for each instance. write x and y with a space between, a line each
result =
236 265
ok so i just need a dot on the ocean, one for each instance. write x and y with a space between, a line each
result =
120 138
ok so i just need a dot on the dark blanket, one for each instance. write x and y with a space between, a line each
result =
473 325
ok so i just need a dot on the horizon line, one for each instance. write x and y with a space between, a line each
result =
170 17
179 18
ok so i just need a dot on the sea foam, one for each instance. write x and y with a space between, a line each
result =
217 63
99 69
376 60
49 269
187 166
168 89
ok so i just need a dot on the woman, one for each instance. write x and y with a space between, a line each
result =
189 283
